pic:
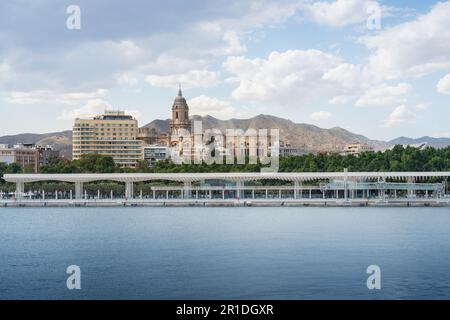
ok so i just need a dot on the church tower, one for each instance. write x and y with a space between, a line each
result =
180 114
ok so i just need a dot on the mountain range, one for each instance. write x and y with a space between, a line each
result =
306 137
430 141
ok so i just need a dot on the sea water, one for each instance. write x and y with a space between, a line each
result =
225 253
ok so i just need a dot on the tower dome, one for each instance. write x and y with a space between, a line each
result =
180 113
180 101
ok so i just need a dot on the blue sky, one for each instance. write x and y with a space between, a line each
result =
321 62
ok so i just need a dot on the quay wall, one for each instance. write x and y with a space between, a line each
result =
442 202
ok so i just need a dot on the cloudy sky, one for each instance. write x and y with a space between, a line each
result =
329 63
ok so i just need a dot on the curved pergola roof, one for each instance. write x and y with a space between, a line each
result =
230 176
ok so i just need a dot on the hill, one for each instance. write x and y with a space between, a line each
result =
429 141
307 137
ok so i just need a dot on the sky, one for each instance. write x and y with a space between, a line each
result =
377 68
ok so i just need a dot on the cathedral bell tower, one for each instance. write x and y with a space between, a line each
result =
180 114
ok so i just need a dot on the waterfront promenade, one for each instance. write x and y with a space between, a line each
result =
239 189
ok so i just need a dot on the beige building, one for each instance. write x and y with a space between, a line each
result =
112 134
357 148
25 155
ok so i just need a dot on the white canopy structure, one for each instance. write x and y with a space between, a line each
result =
236 177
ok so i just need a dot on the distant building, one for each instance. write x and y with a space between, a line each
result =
155 153
25 155
150 136
112 134
290 151
287 150
356 148
46 155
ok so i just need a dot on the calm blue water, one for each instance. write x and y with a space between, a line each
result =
225 253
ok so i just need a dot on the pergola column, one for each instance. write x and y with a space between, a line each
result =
20 189
78 190
296 187
411 192
239 189
129 189
345 184
187 189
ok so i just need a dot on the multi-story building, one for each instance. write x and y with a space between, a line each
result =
148 135
112 134
25 155
286 150
356 148
155 153
46 154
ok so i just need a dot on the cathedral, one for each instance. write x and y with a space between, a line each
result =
179 127
179 137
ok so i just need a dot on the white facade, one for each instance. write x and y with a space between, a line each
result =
155 153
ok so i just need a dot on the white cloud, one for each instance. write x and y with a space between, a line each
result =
400 115
177 40
320 115
127 79
384 96
340 100
340 12
414 48
37 96
346 74
204 105
285 78
92 108
443 85
194 78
